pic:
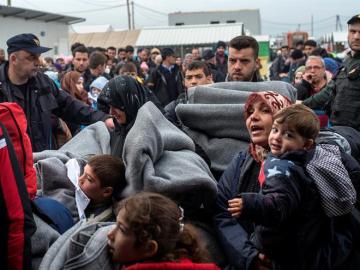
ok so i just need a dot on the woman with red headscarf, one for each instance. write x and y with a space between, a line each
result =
242 176
332 242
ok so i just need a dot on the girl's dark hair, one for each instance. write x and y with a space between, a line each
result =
152 216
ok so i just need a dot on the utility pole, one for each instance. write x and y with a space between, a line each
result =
9 3
132 15
312 25
338 23
128 12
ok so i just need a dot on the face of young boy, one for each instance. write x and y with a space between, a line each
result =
121 242
91 186
282 139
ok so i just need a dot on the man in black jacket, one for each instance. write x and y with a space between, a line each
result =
166 80
21 82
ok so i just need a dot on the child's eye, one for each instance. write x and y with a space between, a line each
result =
273 129
288 135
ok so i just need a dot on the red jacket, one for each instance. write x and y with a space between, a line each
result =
17 223
183 264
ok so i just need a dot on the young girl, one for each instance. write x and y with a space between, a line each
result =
150 234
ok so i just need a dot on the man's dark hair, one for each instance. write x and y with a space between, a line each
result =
97 59
111 48
80 49
75 45
125 67
285 47
244 42
298 43
121 50
129 48
100 49
199 65
320 52
310 42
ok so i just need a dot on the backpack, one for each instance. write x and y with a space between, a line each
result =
13 118
17 223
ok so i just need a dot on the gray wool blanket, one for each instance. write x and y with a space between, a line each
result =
84 246
160 158
213 118
52 179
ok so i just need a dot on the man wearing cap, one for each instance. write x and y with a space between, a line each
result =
342 95
166 80
209 59
21 82
221 58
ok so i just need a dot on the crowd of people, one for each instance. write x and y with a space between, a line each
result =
288 200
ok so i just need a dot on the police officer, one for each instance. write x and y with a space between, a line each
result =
21 82
343 92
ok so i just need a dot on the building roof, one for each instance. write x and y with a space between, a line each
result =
29 14
212 11
114 38
82 29
188 34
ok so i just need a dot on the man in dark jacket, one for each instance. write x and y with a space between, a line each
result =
209 59
39 97
166 80
221 58
342 93
280 66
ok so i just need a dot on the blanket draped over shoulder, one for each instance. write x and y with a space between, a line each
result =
160 158
214 119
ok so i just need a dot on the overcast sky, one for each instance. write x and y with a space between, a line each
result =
277 16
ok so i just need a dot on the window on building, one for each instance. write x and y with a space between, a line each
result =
214 22
179 23
230 21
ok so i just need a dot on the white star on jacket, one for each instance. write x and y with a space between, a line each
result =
273 171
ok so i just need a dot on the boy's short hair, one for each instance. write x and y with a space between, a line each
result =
301 119
199 65
97 59
110 170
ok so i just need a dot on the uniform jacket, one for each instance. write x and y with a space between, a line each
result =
44 99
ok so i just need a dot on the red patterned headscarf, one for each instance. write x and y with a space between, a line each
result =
276 102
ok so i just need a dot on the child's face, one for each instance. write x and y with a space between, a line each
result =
95 91
91 186
282 139
298 77
121 242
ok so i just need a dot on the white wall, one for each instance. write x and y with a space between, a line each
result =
56 34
